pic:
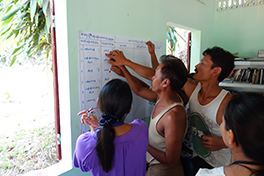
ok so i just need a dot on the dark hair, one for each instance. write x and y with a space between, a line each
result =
115 100
244 114
221 58
174 69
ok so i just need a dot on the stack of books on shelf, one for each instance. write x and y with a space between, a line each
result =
247 75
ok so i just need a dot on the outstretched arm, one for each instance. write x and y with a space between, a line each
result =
117 58
154 60
136 87
119 72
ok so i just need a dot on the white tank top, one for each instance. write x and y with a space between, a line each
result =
203 122
155 139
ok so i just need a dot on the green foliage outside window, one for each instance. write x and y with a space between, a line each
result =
28 22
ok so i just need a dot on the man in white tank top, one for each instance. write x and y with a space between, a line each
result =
168 120
207 102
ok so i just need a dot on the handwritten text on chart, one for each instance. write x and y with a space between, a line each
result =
91 58
92 88
98 37
90 81
89 49
89 42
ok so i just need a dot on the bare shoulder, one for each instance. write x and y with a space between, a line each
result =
189 86
176 115
225 102
174 122
222 107
226 99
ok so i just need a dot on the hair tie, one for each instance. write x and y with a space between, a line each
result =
107 120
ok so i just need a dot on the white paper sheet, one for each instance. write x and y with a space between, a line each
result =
94 71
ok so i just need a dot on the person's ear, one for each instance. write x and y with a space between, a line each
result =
166 82
231 140
217 70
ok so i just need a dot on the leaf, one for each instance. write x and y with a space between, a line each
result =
33 7
16 32
25 5
8 36
47 26
8 7
41 34
40 3
21 15
4 32
36 18
6 24
13 61
45 6
21 28
11 14
17 49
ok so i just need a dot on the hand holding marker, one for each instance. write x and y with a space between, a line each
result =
89 118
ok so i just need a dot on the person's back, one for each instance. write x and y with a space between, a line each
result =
129 155
116 148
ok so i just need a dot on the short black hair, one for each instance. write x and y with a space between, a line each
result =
221 58
174 69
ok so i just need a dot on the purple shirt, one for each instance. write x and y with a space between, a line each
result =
130 152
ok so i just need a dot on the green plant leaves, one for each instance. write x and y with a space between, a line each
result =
10 14
33 7
171 37
29 22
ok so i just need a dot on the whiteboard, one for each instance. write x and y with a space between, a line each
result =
94 70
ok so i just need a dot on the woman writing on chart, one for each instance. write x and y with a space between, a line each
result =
242 129
117 148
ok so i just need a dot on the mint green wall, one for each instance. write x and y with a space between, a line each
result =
140 19
241 30
132 18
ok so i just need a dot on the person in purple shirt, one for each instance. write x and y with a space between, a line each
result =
116 148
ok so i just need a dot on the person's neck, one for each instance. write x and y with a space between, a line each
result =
235 169
239 156
168 97
123 128
210 89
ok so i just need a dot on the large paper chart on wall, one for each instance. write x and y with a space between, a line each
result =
94 70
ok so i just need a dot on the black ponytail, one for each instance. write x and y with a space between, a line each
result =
105 147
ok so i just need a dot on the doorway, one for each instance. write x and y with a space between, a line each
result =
178 44
184 42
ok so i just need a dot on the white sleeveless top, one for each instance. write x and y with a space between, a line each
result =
219 171
155 139
203 122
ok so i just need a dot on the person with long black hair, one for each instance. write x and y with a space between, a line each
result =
242 129
117 148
